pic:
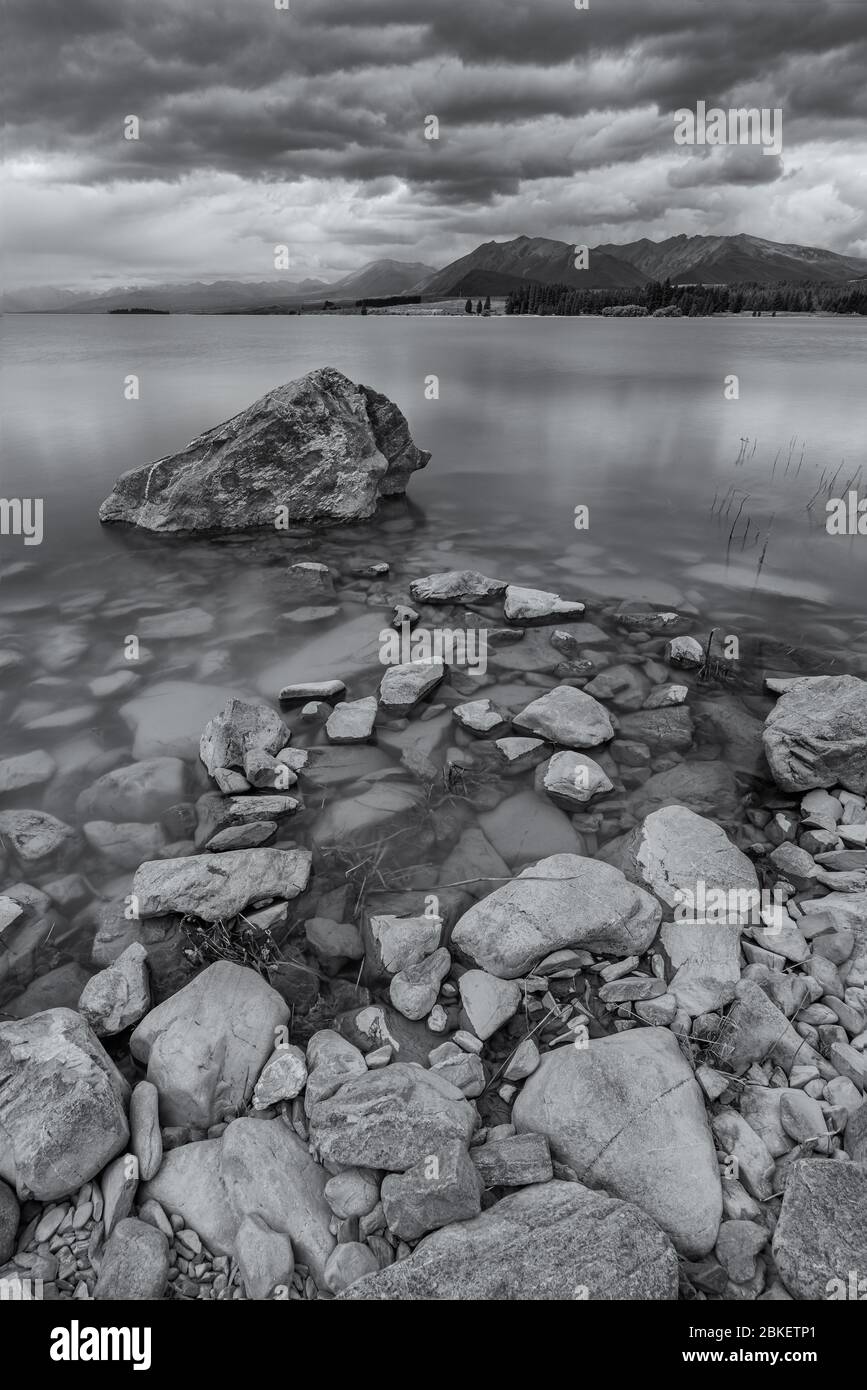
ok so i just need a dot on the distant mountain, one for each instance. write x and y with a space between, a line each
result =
494 268
380 279
498 266
732 260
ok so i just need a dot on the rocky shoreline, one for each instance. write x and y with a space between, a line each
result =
541 981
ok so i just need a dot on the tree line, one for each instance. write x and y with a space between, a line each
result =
693 301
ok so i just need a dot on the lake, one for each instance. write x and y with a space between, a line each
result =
710 506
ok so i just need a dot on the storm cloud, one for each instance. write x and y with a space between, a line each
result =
306 126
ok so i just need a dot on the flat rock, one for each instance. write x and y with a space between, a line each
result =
683 859
456 586
316 449
568 717
550 1241
390 1119
205 1046
352 721
213 887
537 606
564 900
816 735
62 1105
517 1160
488 1002
481 717
707 788
661 729
705 960
404 685
626 1113
821 1234
26 770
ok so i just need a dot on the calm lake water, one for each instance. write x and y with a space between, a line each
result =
695 502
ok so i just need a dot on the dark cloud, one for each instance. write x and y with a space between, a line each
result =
532 96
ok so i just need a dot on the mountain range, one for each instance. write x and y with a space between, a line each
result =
494 268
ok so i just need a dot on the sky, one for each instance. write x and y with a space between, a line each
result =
304 127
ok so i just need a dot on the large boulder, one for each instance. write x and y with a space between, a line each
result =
626 1113
821 1235
62 1105
205 1046
562 901
816 735
554 1240
317 449
688 863
390 1119
216 886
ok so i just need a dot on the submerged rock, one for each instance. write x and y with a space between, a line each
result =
317 449
554 1240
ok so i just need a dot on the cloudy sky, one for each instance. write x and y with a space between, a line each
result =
305 126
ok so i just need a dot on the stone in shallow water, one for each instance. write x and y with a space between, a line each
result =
403 686
572 779
217 886
184 622
382 806
626 1113
315 449
661 729
475 864
456 586
537 606
241 727
38 839
352 721
390 1119
816 735
26 770
550 1241
206 1045
564 900
708 788
821 1234
62 1104
140 791
566 716
481 717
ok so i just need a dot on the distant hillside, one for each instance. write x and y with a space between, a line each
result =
497 267
380 279
734 260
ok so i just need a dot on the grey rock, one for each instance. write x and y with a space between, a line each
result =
140 791
241 727
352 721
626 1113
39 840
565 900
404 685
206 1045
488 1002
118 997
456 586
190 1184
26 770
347 1264
816 735
264 1257
568 717
550 1241
537 606
678 856
146 1139
516 1160
217 886
390 1119
441 1188
320 447
135 1263
62 1105
9 1216
821 1234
